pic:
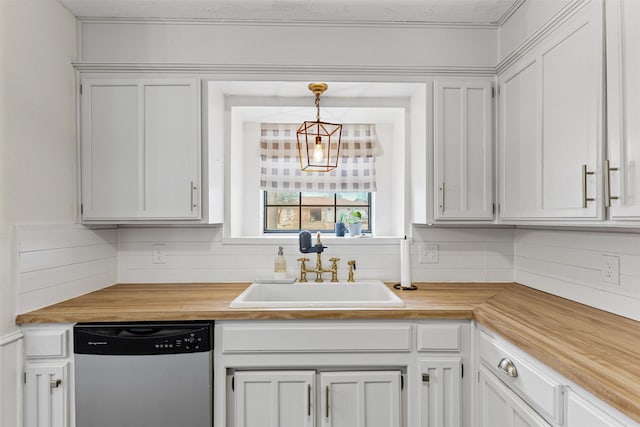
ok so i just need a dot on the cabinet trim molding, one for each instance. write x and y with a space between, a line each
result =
535 38
259 69
10 338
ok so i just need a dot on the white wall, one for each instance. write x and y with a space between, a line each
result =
37 148
62 261
568 264
37 126
202 255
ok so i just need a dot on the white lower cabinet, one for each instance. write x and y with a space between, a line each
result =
498 406
46 394
275 398
48 391
343 399
581 412
360 399
440 392
516 390
341 373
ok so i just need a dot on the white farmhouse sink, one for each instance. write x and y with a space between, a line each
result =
311 295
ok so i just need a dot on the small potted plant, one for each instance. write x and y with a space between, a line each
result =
355 223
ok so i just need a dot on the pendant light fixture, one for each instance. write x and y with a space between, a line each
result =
318 142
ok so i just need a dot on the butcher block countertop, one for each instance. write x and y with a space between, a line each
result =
597 350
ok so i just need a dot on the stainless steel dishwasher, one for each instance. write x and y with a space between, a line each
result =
144 374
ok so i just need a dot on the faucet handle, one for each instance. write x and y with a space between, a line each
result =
334 269
352 266
303 269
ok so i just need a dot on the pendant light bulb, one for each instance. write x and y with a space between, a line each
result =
318 154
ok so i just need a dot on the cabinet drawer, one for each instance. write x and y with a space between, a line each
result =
315 338
534 386
438 338
45 344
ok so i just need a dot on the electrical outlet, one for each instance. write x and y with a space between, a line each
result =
157 253
611 269
429 253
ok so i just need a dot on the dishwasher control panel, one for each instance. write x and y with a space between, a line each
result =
142 338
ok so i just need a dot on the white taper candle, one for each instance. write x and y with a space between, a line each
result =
405 263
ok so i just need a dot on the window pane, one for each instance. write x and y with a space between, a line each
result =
325 199
282 218
359 199
319 218
282 198
346 211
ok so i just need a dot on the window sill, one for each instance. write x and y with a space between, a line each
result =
327 239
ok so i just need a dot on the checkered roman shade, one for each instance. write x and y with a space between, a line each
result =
280 165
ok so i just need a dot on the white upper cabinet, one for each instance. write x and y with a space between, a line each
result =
140 149
463 150
623 107
550 125
518 160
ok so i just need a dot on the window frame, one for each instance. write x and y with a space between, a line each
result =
300 206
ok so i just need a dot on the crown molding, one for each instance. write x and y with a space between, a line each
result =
505 17
289 23
365 70
535 38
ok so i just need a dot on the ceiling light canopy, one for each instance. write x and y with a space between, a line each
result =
318 142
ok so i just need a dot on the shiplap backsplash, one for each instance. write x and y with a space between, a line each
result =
57 262
200 255
568 264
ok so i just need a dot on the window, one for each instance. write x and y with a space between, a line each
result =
287 212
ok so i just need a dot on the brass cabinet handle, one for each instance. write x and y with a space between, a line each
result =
442 190
607 177
585 199
308 400
507 366
326 398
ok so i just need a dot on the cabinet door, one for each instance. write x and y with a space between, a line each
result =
172 149
550 125
581 412
46 395
360 399
518 142
463 149
623 107
571 72
500 407
111 149
140 149
275 399
439 396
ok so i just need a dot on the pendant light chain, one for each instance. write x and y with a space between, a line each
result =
317 107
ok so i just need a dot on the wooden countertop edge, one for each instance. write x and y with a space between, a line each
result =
72 317
563 359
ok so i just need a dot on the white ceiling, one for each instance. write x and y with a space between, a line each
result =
435 11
